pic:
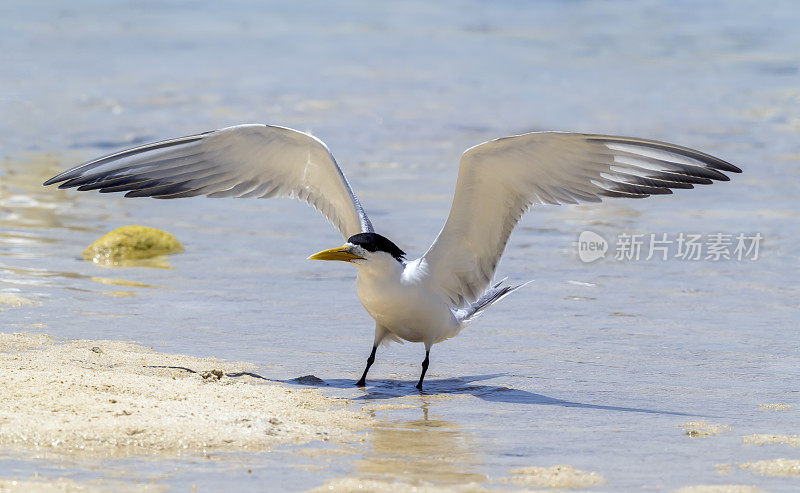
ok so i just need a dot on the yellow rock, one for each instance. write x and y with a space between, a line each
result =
131 243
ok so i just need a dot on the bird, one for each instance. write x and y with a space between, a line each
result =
432 298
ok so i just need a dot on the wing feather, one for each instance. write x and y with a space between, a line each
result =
242 161
499 180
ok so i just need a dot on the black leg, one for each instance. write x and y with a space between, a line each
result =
424 369
370 360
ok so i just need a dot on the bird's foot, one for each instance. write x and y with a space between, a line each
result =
418 386
361 383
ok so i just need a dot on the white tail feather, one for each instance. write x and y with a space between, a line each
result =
492 295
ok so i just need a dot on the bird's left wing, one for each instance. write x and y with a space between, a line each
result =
499 180
242 161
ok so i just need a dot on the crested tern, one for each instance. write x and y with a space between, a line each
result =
434 297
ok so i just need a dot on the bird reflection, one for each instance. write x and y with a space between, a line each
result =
422 450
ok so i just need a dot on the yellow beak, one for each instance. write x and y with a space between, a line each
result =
340 253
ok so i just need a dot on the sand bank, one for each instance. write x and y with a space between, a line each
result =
64 485
719 488
108 398
559 477
765 439
697 429
775 467
776 407
346 485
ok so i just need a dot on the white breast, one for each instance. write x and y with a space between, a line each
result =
400 300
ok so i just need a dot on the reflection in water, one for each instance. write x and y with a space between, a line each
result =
25 276
157 262
29 215
121 282
16 278
25 203
430 452
35 273
423 450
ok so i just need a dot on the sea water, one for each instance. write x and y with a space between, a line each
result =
595 365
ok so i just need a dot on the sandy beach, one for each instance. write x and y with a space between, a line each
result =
112 399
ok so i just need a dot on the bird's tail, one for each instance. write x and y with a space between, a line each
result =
495 293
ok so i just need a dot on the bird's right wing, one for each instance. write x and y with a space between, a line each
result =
499 180
242 161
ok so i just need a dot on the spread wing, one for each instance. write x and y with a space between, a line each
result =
499 180
242 161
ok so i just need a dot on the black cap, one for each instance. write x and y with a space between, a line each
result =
373 242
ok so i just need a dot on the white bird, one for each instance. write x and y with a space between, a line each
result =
432 298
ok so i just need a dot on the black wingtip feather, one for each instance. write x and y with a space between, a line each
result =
723 165
77 171
710 162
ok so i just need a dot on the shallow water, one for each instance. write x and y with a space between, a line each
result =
594 365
